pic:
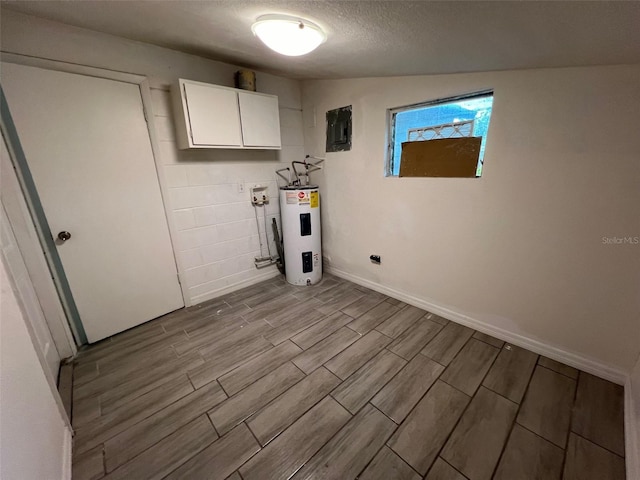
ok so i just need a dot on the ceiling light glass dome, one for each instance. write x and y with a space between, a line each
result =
291 36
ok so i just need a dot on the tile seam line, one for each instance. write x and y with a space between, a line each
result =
325 317
464 410
324 444
259 378
325 363
193 456
298 418
559 373
596 444
515 419
156 443
135 398
429 389
483 377
377 391
439 457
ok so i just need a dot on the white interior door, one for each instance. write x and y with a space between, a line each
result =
87 145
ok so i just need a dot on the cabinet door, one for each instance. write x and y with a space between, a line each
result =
260 120
213 115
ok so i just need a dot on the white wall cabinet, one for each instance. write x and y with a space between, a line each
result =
211 116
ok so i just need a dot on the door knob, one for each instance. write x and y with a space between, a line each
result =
64 236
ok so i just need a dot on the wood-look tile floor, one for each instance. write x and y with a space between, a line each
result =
334 381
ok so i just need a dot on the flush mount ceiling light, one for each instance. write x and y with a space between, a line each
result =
291 36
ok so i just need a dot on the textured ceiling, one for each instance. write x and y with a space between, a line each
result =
375 38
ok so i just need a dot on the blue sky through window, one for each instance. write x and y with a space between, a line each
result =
475 108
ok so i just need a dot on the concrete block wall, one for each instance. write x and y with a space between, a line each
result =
209 202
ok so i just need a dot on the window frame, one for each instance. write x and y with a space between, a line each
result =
391 121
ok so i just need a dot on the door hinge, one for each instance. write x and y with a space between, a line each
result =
144 112
178 275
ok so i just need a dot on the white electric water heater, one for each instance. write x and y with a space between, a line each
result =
300 215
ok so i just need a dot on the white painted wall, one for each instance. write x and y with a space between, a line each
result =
35 440
519 251
213 226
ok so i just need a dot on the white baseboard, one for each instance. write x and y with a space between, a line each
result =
631 439
67 452
272 272
581 362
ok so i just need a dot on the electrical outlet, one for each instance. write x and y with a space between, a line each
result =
240 187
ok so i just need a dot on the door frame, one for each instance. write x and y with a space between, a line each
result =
30 194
